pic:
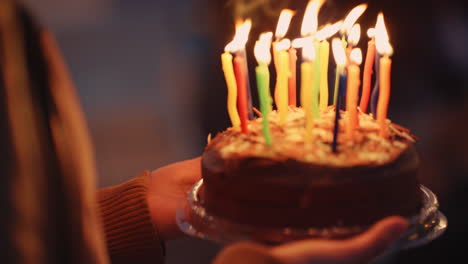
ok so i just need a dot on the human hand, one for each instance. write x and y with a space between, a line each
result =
359 249
168 192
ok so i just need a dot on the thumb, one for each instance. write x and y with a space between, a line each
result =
359 249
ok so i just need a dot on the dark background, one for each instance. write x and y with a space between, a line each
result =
149 78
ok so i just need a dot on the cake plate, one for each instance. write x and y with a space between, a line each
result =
196 221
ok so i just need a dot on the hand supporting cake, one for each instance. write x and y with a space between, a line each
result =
302 185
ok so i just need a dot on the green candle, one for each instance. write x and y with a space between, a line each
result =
263 85
315 89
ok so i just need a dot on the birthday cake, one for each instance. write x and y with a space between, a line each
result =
301 183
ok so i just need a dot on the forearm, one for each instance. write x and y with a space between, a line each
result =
130 233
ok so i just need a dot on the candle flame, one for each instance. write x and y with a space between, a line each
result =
371 32
266 37
262 48
352 17
284 44
310 21
328 31
338 52
356 56
283 23
354 35
301 42
382 41
308 51
240 37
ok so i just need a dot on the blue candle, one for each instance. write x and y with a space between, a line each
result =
376 90
341 94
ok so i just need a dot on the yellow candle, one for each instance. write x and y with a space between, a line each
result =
324 54
384 95
306 98
282 85
226 60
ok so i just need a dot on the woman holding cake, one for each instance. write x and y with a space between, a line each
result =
54 214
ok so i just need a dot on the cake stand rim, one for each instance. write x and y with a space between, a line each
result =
418 234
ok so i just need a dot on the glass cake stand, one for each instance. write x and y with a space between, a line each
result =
196 221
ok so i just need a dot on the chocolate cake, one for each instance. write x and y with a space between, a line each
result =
302 185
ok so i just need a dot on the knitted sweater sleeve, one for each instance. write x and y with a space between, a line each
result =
130 234
132 238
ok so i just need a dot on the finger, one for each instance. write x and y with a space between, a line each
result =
377 239
359 249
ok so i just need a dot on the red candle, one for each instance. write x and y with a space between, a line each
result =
241 92
292 76
367 77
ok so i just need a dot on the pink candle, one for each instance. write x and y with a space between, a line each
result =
292 76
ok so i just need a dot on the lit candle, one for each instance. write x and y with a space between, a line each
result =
367 76
346 27
353 92
236 45
292 76
340 58
316 86
322 35
243 55
384 97
324 54
351 18
242 92
226 59
385 50
376 90
353 38
310 21
282 80
262 54
281 29
248 25
309 29
308 55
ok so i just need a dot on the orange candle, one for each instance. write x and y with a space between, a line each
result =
241 92
384 96
292 76
367 77
385 50
352 92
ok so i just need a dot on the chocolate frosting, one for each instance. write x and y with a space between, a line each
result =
291 185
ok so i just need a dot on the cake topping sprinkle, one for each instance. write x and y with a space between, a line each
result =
366 147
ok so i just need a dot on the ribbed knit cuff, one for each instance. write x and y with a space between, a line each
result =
130 234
